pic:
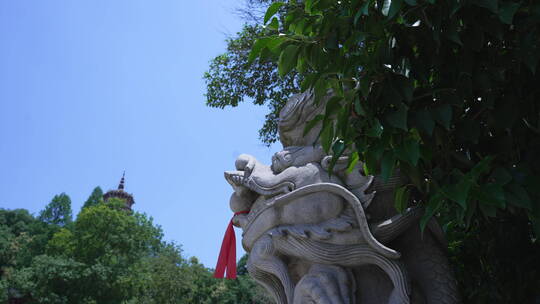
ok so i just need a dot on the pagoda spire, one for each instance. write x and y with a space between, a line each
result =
121 194
122 181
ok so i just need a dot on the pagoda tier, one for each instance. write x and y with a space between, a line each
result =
120 194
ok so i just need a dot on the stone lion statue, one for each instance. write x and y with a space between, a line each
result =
315 236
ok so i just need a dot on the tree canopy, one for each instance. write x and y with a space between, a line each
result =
231 79
442 91
106 255
58 211
95 198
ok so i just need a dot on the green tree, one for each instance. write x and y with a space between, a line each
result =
58 211
50 279
164 277
96 197
15 227
443 91
107 255
3 291
110 243
231 80
22 237
244 289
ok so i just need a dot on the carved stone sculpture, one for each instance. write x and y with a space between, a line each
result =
315 237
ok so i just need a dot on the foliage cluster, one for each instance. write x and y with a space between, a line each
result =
444 92
231 79
105 255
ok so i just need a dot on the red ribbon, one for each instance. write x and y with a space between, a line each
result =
227 254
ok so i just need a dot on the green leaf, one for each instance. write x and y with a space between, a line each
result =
310 124
287 59
343 126
455 6
529 50
320 89
401 199
365 87
375 130
336 86
422 119
370 161
266 54
299 27
501 176
531 184
435 202
443 115
257 48
350 95
518 196
480 168
274 25
366 169
308 82
332 106
338 148
378 150
489 4
470 212
459 192
507 11
386 7
307 6
491 194
363 11
301 64
274 43
387 165
323 4
358 108
272 10
488 210
452 34
353 160
327 135
426 153
411 2
405 87
394 8
409 151
398 118
536 226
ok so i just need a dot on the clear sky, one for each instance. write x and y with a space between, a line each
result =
90 88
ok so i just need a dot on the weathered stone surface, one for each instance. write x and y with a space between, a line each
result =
315 237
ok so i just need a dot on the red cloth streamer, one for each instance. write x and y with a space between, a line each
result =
227 254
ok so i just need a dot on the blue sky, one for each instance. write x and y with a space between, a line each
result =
91 88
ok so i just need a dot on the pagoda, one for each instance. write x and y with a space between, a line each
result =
120 194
